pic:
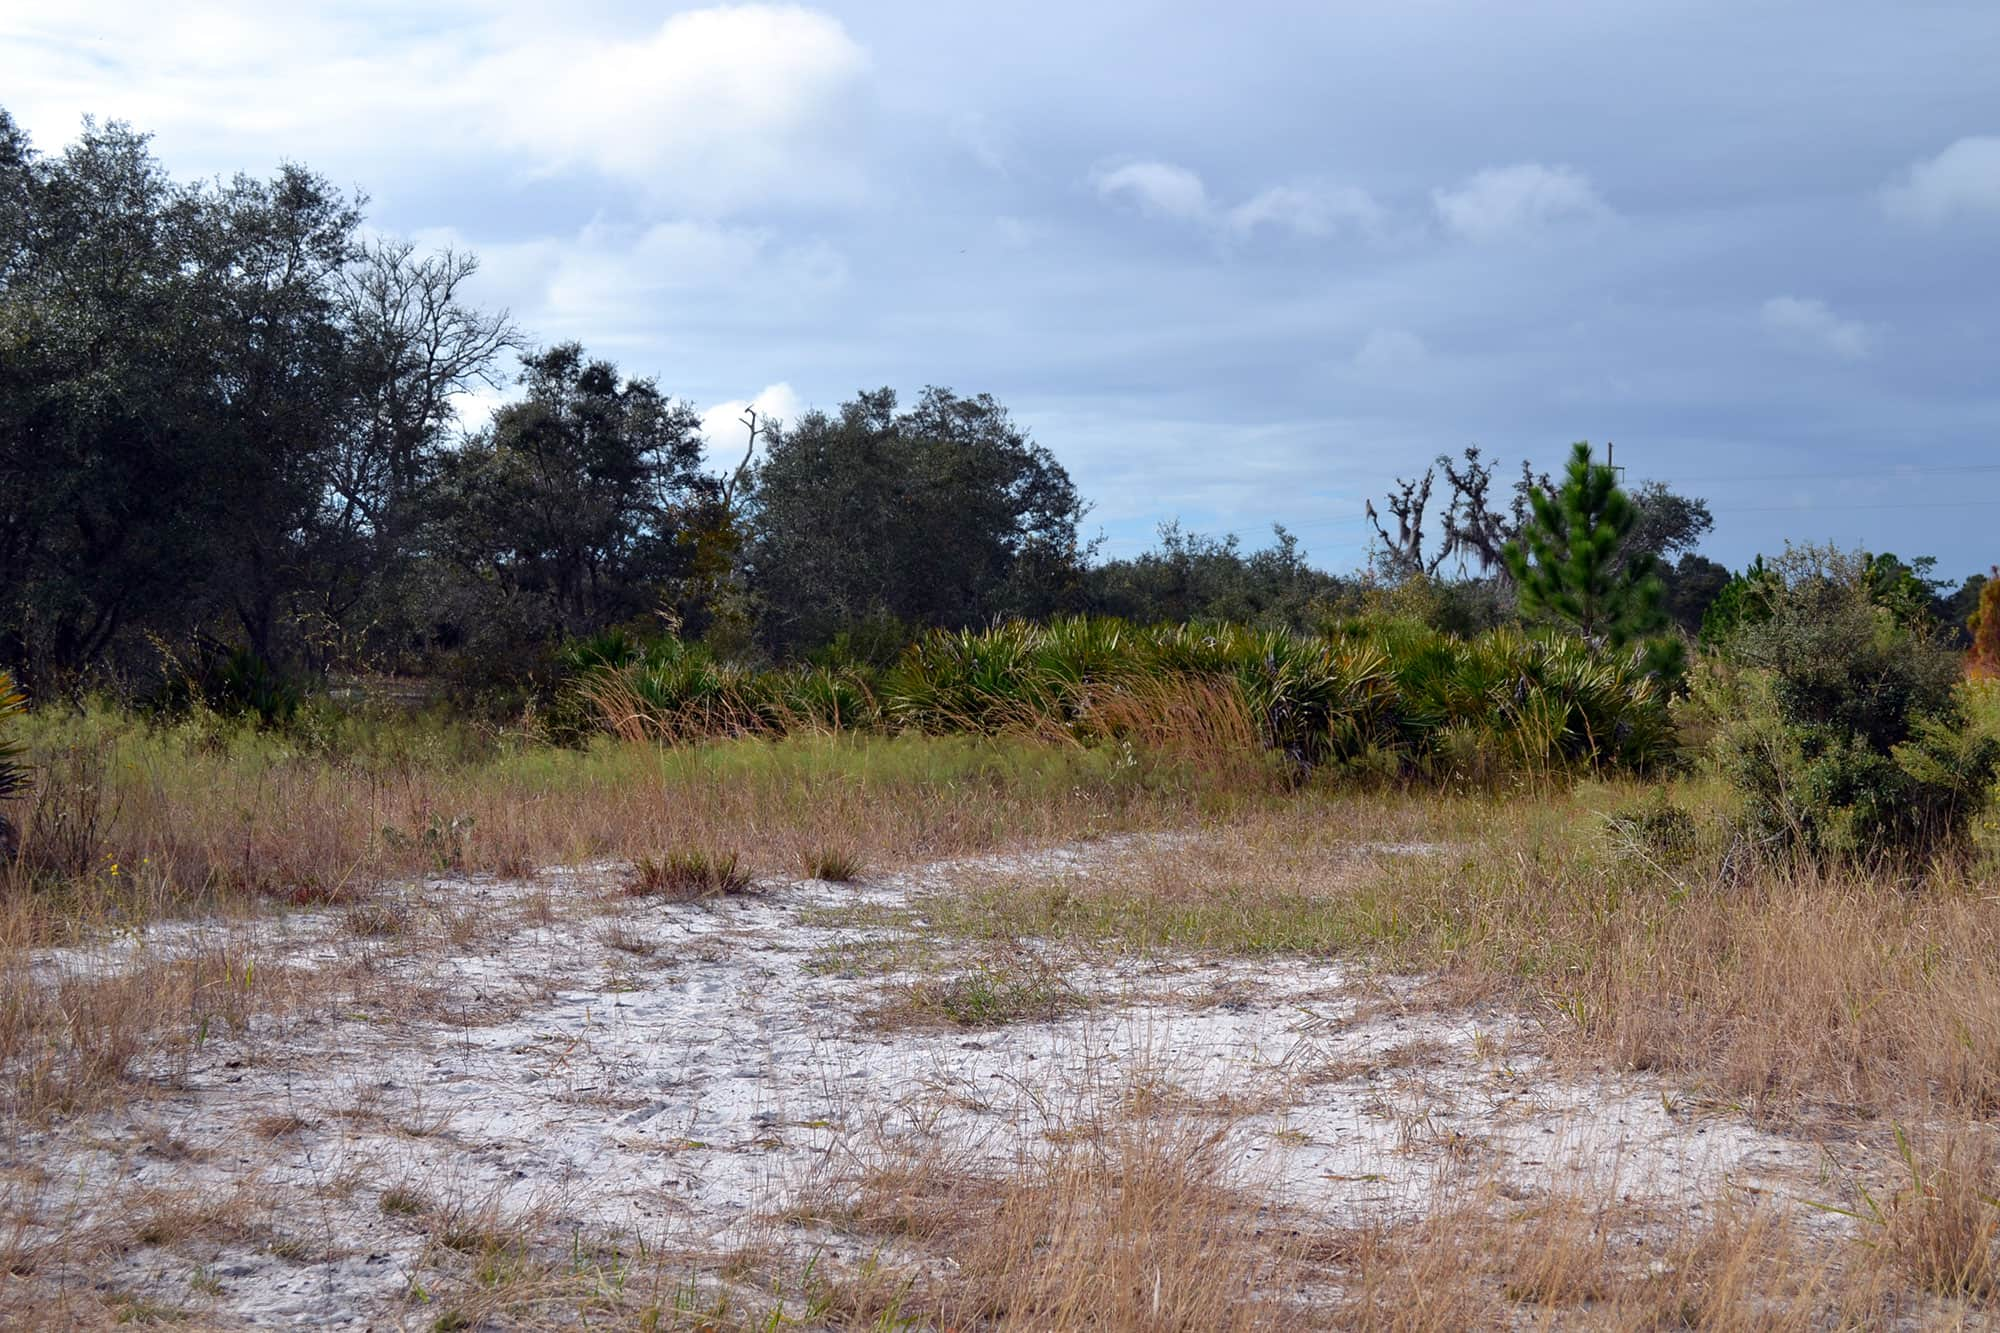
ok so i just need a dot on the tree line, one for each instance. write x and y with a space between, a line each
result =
229 427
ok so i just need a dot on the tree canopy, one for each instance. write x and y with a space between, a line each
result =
941 514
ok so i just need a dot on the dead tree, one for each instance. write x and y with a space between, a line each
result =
1404 553
1472 529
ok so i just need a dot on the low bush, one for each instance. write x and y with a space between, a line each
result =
230 682
1840 721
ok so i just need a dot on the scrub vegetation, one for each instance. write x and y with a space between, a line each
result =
521 878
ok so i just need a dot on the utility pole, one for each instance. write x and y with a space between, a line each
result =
1609 457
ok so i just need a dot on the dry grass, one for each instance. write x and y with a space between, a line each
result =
1797 995
835 863
133 824
1840 1004
1480 1261
1125 1223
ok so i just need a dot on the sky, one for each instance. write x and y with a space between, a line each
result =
1234 265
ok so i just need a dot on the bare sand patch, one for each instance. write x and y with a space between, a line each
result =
599 1083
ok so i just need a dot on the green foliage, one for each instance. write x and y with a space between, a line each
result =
1194 577
1694 583
665 688
232 682
583 500
1571 562
1396 699
942 514
219 408
1837 714
1745 599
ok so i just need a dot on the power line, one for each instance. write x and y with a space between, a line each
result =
1819 508
1891 474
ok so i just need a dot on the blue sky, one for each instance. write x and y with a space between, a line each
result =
1234 264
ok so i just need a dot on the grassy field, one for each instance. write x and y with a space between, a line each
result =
1606 927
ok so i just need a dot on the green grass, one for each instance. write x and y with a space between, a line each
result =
993 994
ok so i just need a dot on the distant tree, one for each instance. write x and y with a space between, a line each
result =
1908 591
1984 625
1193 577
1665 523
943 514
576 508
269 257
1403 555
192 396
413 345
1745 599
1692 584
1572 563
1955 612
1472 527
1475 531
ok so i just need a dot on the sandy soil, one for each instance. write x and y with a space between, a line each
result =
623 1071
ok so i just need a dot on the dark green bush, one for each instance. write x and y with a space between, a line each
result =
230 682
1838 719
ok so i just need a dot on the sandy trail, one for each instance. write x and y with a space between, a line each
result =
624 1071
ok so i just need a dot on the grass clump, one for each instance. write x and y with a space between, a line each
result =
688 874
402 1201
834 863
990 995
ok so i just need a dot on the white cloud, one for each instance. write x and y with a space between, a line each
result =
722 424
1387 354
1964 178
715 108
1812 324
1506 201
1308 210
605 268
1164 189
711 111
1157 187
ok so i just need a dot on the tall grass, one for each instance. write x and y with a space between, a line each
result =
128 819
1394 699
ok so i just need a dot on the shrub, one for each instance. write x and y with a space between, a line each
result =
1984 626
1378 696
1838 719
228 682
13 762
